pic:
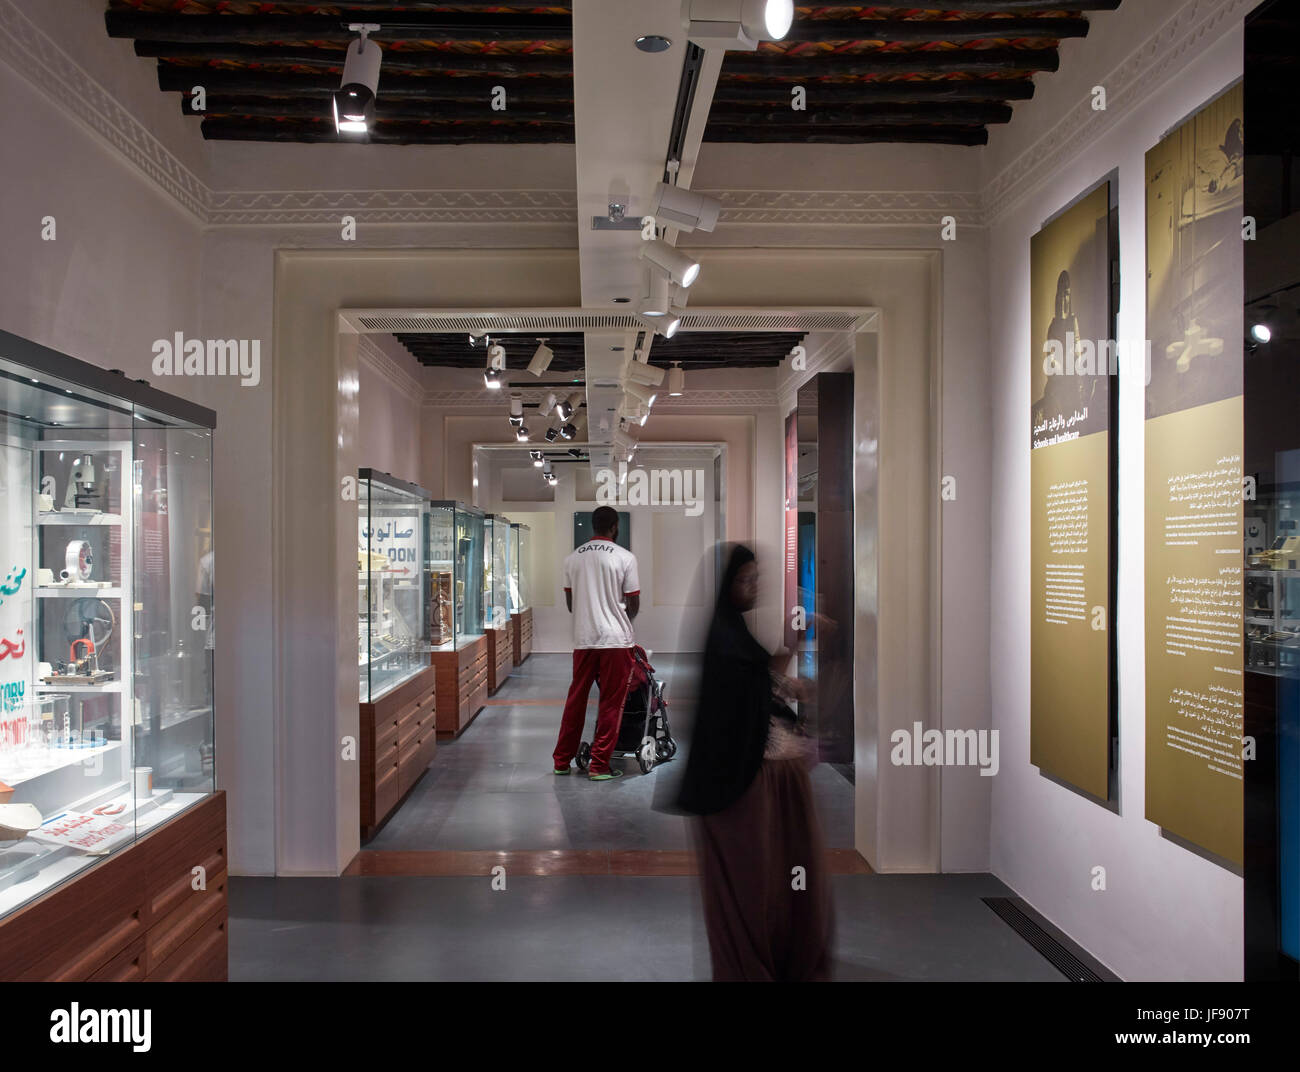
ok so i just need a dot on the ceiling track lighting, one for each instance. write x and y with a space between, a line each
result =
682 269
566 409
522 434
516 411
547 404
552 434
658 299
737 24
494 369
536 455
676 380
647 375
541 359
684 209
575 427
644 395
354 100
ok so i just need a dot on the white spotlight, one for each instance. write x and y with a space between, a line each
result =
658 297
494 367
684 209
574 427
354 101
548 404
1261 333
541 359
521 433
516 411
536 455
636 372
569 406
737 24
676 380
644 395
681 268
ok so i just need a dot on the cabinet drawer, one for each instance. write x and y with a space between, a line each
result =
126 967
388 789
172 931
201 959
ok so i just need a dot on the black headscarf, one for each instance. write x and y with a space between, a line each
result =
726 748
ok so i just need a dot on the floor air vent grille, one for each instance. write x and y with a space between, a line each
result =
1070 959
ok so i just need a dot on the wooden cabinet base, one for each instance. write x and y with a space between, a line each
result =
398 741
462 686
136 916
501 659
522 624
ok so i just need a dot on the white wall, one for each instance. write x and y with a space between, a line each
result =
389 396
1167 913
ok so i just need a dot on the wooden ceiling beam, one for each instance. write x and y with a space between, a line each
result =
943 112
172 79
859 135
974 60
425 61
919 30
397 26
386 110
988 89
501 132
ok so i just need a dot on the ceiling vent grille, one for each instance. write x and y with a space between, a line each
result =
540 321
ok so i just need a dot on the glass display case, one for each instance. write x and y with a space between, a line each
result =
496 553
106 614
519 550
456 567
395 593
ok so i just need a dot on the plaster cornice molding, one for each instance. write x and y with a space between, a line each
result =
369 352
846 208
717 400
286 208
39 60
1127 86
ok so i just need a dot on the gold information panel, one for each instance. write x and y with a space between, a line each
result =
1071 377
1194 531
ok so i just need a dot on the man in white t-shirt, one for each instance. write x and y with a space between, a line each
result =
603 595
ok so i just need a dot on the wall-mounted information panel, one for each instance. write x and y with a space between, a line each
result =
1072 379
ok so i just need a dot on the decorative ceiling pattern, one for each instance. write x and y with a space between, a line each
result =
694 350
866 73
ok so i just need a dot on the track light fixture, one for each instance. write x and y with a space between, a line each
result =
516 411
658 297
495 367
566 409
684 209
521 433
667 325
737 24
354 101
680 268
648 375
547 404
644 395
552 434
536 455
676 380
541 359
575 427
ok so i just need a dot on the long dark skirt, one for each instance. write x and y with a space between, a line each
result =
761 926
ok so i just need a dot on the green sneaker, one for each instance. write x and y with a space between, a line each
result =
560 770
609 775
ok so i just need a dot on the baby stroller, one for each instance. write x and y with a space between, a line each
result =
644 734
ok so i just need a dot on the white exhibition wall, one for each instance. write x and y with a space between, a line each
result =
1166 912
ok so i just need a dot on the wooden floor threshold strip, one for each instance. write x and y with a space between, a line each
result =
629 863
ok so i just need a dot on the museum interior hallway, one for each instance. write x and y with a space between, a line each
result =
599 886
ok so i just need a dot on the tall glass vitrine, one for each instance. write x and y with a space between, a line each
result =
107 615
394 596
497 529
457 567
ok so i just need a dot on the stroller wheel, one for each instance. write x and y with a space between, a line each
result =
645 758
584 756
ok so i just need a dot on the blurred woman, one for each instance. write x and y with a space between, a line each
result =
766 891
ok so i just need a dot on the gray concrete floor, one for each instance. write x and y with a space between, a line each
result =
598 929
492 789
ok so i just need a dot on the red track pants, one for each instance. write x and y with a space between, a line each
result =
611 669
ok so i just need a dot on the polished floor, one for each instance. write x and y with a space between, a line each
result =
493 869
